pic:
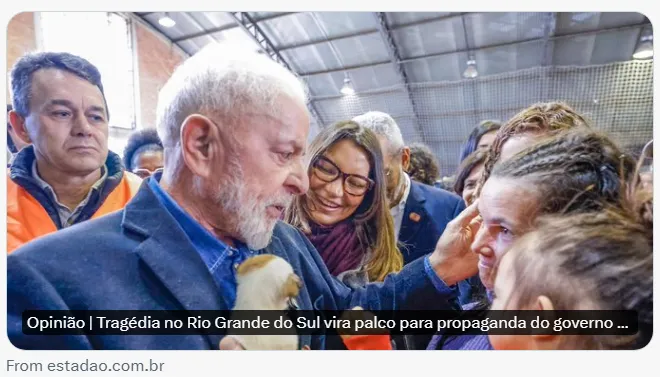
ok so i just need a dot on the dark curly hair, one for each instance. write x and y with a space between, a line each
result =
423 164
141 141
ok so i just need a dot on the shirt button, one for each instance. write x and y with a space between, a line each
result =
235 266
230 252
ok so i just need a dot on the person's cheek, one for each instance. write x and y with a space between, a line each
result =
501 246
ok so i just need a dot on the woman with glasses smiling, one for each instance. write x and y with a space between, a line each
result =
345 214
143 154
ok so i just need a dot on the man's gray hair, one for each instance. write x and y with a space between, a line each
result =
384 125
223 81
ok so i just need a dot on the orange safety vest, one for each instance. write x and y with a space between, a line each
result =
27 219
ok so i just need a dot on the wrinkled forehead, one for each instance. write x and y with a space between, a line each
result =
50 83
286 121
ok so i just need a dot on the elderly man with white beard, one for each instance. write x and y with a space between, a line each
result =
234 127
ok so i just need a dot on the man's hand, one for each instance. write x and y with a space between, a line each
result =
452 259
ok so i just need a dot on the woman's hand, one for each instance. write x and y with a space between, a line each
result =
453 259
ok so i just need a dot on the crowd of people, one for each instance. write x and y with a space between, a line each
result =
545 211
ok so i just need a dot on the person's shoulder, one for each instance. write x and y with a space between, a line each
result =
291 242
435 193
289 235
77 242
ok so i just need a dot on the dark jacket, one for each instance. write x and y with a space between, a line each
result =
21 173
427 212
432 208
140 259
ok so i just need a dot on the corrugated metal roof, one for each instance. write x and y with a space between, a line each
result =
324 47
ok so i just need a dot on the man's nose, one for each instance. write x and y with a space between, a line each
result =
481 241
80 126
298 181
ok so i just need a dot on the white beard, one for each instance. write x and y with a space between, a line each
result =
251 222
250 219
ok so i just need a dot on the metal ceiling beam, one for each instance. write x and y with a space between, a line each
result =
318 41
203 33
549 30
227 27
329 39
145 22
470 95
254 31
429 20
368 32
197 24
309 43
395 57
273 16
497 45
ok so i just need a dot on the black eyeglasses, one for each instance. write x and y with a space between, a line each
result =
328 171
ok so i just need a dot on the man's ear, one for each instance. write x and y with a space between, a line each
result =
201 146
544 303
405 158
542 341
18 126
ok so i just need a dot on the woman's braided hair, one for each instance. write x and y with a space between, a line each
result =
548 118
608 254
578 170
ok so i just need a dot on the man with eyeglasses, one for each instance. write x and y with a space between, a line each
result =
65 175
234 126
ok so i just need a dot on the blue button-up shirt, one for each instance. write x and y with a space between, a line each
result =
220 258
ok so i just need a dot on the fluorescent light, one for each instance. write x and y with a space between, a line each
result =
347 89
645 48
471 70
166 21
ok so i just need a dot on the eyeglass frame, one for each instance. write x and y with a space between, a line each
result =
158 170
343 176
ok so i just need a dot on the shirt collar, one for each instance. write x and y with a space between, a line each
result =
200 237
48 188
406 193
